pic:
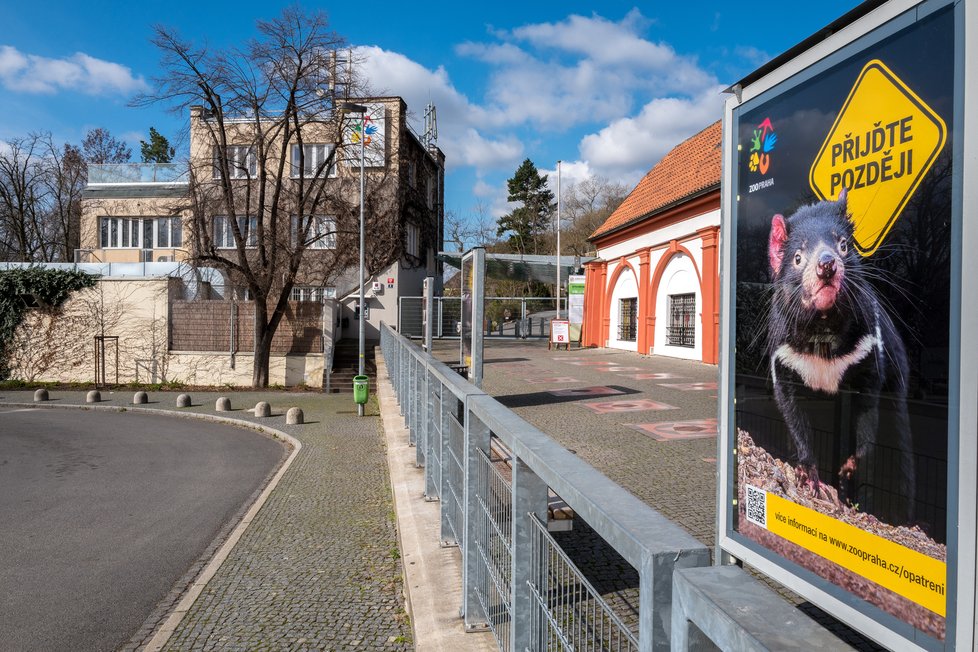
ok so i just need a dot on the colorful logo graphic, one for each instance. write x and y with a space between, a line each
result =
762 144
367 126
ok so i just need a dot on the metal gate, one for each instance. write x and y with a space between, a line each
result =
505 317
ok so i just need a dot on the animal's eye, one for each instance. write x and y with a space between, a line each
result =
843 245
797 259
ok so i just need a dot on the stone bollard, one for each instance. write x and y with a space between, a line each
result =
140 398
223 404
263 409
93 397
294 416
40 395
183 400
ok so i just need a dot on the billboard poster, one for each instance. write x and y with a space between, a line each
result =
842 324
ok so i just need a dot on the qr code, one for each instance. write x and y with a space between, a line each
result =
756 506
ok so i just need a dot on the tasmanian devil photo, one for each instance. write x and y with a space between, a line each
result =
833 347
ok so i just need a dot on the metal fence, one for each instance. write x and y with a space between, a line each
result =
505 317
516 579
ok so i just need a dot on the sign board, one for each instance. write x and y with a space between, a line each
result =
575 298
841 436
560 333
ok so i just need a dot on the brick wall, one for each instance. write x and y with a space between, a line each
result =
206 326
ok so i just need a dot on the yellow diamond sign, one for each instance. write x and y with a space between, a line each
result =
883 142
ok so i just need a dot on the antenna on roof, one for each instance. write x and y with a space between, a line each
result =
430 138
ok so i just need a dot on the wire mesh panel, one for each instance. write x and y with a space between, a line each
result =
448 316
494 527
410 317
569 613
454 470
433 454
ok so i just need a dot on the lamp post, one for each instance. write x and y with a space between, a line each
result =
558 239
348 107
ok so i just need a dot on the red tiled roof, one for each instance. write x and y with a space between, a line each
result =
690 167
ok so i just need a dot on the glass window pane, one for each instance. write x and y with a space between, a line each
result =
125 232
104 233
176 236
147 234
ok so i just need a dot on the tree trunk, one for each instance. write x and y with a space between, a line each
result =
263 346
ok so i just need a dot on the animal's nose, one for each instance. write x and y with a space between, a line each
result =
826 266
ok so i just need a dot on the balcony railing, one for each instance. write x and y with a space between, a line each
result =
136 173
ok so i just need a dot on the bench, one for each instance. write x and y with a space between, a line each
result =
736 612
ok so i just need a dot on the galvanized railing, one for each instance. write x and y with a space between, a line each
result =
516 579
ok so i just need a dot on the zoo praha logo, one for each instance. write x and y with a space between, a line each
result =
881 145
761 145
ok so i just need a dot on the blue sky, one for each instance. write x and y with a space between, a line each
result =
608 90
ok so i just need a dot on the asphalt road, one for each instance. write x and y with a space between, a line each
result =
102 513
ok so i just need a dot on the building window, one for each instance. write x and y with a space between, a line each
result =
311 293
224 234
628 319
322 232
411 247
140 232
412 171
241 160
681 330
313 159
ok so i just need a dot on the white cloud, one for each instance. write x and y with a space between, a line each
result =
459 137
631 146
579 70
30 73
571 173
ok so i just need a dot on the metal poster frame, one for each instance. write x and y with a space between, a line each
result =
842 45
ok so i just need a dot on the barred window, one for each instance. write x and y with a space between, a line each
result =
628 319
681 330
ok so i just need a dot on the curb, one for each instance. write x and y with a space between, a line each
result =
190 595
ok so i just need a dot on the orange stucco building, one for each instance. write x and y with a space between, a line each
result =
655 287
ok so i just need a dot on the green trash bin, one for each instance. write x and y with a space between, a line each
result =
361 389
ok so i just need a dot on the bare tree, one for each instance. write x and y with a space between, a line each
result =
65 179
257 205
585 207
24 235
99 146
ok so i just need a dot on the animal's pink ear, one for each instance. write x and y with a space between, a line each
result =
775 244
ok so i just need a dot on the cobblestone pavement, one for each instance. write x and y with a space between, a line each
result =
319 567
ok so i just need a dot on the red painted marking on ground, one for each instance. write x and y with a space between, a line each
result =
605 407
689 387
677 430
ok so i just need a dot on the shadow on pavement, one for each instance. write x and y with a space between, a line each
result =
546 398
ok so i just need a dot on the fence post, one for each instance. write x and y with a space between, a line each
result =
529 499
477 437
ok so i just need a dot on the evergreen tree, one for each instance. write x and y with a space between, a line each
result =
528 223
157 150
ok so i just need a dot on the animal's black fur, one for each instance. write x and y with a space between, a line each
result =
833 346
